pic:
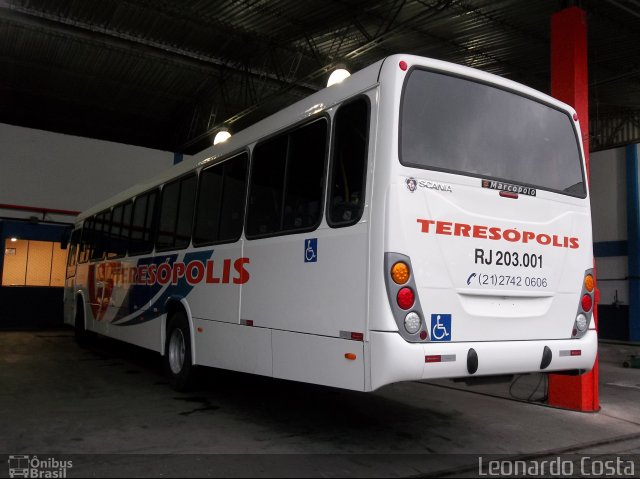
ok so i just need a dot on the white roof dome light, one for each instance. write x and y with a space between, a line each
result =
338 76
221 136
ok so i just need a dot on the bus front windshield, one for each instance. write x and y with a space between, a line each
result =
466 127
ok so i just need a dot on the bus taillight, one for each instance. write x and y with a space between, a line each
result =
413 323
589 283
585 306
406 298
587 303
400 272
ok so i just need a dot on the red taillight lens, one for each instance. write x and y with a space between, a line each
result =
406 298
587 303
357 336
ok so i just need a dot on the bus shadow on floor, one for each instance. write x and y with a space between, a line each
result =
293 409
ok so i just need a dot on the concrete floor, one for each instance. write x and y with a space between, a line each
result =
111 411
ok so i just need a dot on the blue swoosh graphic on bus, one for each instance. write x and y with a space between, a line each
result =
179 290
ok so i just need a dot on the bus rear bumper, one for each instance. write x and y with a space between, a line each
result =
393 359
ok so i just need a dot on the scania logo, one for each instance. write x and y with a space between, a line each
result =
413 185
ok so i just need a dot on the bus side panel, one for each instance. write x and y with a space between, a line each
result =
83 273
291 289
234 347
120 303
146 335
217 296
318 360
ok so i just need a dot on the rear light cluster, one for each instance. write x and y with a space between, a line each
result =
585 309
405 305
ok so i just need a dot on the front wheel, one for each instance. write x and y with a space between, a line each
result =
178 365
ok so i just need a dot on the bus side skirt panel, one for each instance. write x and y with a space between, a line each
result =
319 360
233 346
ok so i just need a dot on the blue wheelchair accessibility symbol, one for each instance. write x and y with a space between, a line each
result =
440 327
311 250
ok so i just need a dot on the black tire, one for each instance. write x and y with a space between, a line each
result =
83 337
178 365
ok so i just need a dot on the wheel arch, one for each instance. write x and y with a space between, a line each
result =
172 305
80 299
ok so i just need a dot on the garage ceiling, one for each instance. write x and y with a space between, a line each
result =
165 74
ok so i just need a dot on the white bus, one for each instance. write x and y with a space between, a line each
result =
419 220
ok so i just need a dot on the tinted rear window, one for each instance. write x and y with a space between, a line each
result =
453 124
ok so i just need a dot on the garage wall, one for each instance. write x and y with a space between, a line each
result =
52 170
610 226
609 213
62 172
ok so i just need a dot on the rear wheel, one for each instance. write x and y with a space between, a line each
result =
178 365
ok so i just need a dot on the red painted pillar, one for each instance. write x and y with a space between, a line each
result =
569 83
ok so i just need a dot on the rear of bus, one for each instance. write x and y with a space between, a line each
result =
482 230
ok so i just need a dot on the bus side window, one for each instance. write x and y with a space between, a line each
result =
305 176
85 247
99 237
349 164
119 233
126 228
221 194
176 213
142 223
267 186
114 233
287 181
72 259
233 198
184 224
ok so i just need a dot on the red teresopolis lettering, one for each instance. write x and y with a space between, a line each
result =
194 272
495 233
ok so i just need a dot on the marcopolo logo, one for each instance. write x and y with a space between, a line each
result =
28 466
510 187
